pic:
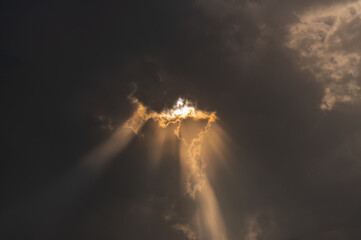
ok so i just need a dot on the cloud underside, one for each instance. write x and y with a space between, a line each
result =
327 40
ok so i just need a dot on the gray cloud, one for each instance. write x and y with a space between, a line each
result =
327 40
294 169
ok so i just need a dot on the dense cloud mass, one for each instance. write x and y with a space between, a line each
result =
283 77
328 41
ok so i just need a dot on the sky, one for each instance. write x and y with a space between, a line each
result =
282 76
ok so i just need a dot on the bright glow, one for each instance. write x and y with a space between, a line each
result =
98 159
180 102
209 222
182 110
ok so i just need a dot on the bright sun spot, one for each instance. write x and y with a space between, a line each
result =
193 162
182 109
180 102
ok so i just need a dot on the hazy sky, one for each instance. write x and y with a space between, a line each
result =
283 76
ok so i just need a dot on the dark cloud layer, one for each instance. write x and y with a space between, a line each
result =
67 68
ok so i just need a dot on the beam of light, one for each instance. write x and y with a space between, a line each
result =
208 218
210 215
96 160
180 112
53 204
56 201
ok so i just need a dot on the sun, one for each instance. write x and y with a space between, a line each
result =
193 172
182 109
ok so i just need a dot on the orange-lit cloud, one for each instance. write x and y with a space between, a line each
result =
98 159
181 111
193 165
191 235
193 128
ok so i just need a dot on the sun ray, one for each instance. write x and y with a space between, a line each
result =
193 164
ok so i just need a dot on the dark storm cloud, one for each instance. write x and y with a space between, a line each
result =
68 68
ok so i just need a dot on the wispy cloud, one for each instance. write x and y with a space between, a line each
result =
328 43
